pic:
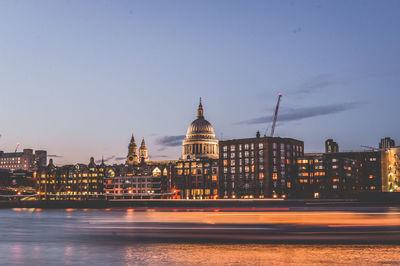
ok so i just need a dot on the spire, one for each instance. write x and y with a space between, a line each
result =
200 111
132 139
143 144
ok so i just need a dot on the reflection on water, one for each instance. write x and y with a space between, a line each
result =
110 237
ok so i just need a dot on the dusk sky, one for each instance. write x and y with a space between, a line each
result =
77 78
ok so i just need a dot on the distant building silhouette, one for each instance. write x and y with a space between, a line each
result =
331 146
386 143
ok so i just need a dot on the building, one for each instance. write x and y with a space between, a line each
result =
143 152
195 175
14 181
311 174
391 170
146 181
331 146
338 175
133 157
261 167
200 141
196 179
70 182
386 143
26 160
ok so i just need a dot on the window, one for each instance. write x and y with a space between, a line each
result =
225 148
233 162
260 145
232 155
232 147
246 146
274 146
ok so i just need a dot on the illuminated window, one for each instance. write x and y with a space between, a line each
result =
156 172
275 176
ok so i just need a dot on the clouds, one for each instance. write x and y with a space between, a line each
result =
303 113
110 158
170 141
319 82
54 156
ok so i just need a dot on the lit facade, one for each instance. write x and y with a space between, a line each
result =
146 181
338 175
196 179
391 170
70 182
25 160
261 167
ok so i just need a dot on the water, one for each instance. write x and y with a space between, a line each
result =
131 237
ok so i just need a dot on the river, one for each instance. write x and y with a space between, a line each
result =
127 236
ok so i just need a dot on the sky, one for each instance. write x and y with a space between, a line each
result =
77 78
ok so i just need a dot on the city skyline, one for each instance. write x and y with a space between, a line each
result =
78 87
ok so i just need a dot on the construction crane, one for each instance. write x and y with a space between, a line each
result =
276 114
16 148
372 148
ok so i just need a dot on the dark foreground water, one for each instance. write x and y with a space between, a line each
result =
169 237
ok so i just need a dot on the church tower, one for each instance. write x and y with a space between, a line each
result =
143 152
132 157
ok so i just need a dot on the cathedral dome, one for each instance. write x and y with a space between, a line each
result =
200 138
200 129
